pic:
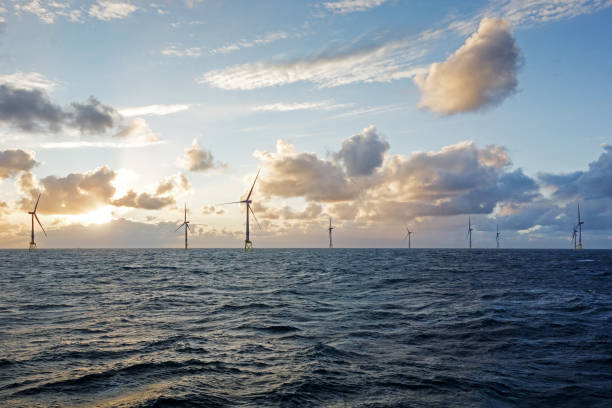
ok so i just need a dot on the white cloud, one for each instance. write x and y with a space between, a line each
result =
35 7
297 106
196 158
175 51
110 10
350 6
247 43
529 230
137 130
153 110
384 63
28 80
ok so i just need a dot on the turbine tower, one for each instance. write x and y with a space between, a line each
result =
580 222
248 245
330 233
470 229
408 234
186 225
574 235
33 214
497 236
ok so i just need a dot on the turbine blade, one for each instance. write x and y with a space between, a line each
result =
188 227
179 227
253 186
254 216
406 236
41 227
36 206
233 202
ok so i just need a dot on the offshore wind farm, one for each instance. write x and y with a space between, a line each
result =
323 203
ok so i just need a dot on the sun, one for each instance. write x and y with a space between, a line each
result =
102 215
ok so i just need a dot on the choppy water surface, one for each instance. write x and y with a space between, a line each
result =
157 328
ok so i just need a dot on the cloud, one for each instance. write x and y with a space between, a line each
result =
153 110
76 193
34 7
292 174
248 43
350 6
92 116
480 74
298 106
138 129
27 81
527 12
14 161
362 153
144 201
110 10
162 197
175 51
384 63
198 159
211 209
595 183
29 110
311 211
458 179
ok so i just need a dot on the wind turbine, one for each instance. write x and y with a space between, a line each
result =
33 213
186 225
248 245
470 229
408 234
574 235
330 233
497 236
580 222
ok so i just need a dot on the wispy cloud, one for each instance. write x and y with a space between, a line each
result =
175 51
384 63
248 43
153 110
371 110
28 81
297 106
111 10
350 6
99 145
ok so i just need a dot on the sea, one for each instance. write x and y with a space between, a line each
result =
306 328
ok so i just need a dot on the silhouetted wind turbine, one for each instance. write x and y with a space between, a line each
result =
470 229
580 222
408 234
330 233
248 245
186 225
497 236
33 213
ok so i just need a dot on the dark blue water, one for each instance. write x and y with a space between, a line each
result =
334 328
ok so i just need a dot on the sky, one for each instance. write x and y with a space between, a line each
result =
381 114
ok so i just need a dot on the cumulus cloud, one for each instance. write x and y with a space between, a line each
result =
363 153
110 10
29 109
27 81
92 116
310 211
480 74
292 174
73 194
211 209
196 158
458 179
138 129
162 197
350 6
14 161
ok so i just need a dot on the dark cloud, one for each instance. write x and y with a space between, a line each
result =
29 110
92 116
15 161
363 153
482 73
